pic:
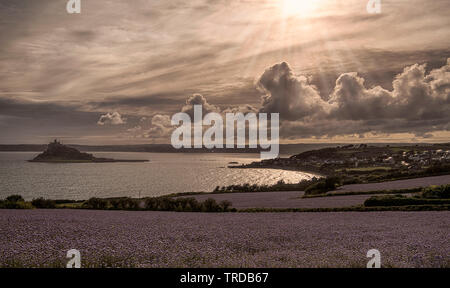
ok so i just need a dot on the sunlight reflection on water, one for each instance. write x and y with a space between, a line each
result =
164 174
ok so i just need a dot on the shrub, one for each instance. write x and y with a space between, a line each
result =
279 186
15 202
351 180
124 204
153 204
95 203
67 201
15 198
210 205
438 168
433 192
225 205
15 205
43 203
323 186
186 205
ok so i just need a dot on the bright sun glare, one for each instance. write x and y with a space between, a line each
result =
302 8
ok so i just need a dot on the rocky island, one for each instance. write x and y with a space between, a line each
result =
59 153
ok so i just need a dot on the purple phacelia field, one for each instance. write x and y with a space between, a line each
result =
283 199
41 238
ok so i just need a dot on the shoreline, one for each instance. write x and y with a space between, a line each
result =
314 172
88 161
414 196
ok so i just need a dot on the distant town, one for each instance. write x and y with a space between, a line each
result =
361 158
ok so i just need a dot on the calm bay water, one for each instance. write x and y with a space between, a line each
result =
164 174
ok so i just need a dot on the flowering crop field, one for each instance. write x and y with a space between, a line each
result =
398 184
292 199
283 199
41 238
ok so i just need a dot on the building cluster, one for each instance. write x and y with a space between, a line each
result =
409 159
414 158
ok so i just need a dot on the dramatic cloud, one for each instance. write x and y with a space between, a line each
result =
142 58
415 96
419 104
158 128
113 118
198 99
352 101
439 80
241 109
291 96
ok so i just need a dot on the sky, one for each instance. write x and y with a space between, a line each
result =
117 72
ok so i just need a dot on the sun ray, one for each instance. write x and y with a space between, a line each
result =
298 8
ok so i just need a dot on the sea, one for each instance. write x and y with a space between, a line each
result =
165 173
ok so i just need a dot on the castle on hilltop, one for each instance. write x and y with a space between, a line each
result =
54 143
58 152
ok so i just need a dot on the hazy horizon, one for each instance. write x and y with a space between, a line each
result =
281 144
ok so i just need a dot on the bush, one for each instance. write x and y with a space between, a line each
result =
15 202
153 204
324 186
438 168
14 198
436 192
210 205
351 180
186 205
225 205
279 186
42 203
95 203
124 204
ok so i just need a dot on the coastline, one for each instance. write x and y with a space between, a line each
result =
307 170
353 198
88 161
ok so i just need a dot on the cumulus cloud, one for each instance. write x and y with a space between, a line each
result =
159 127
439 80
113 118
136 130
241 109
352 101
415 96
198 99
290 95
419 103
